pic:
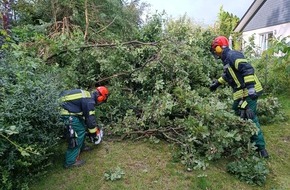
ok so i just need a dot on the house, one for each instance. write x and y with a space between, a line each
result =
265 20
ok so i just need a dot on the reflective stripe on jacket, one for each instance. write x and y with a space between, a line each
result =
239 74
79 102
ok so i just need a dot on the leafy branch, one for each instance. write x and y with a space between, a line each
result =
24 151
134 42
154 57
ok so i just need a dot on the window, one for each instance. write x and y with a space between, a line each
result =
265 40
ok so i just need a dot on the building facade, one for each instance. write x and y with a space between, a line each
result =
263 21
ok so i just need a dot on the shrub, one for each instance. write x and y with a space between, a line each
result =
269 110
29 127
274 67
252 170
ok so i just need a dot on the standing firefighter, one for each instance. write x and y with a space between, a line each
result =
240 75
78 114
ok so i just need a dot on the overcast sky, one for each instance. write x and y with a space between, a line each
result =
202 11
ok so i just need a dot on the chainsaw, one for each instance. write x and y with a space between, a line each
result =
98 138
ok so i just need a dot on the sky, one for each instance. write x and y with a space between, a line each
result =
201 11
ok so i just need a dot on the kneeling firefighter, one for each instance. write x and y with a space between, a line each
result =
78 115
240 75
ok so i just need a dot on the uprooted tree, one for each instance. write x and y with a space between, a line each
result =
158 75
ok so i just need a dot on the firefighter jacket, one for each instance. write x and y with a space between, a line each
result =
239 74
80 103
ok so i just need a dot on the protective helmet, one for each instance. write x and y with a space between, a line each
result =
218 44
103 94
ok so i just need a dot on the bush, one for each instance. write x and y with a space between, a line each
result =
269 110
252 170
274 67
29 127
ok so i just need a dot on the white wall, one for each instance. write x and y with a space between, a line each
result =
279 31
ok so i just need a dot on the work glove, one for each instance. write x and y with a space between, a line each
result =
245 111
215 84
96 137
92 136
252 93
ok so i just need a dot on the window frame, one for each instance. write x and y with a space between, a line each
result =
265 40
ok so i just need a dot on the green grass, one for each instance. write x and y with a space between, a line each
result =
150 166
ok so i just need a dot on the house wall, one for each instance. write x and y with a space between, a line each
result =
279 31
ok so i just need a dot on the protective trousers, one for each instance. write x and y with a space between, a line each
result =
78 126
257 138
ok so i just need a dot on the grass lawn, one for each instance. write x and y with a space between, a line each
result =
150 166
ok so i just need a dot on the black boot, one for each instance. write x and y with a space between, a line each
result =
263 153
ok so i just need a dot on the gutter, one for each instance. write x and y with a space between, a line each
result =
254 8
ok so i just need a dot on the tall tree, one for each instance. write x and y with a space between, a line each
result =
226 24
101 20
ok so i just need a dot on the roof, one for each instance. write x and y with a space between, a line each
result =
264 13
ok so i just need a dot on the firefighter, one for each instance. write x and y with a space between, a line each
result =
240 75
78 115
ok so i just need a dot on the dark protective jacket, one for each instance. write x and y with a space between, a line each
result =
81 103
239 74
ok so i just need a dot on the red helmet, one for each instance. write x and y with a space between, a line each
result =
103 94
219 43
